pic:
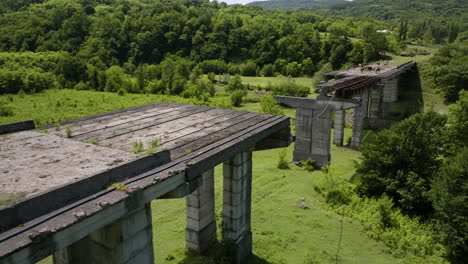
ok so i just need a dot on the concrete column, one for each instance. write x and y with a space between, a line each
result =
313 134
338 127
237 205
360 116
374 109
390 90
201 221
128 240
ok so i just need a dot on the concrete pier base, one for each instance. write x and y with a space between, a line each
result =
200 233
374 108
237 205
360 116
128 240
338 127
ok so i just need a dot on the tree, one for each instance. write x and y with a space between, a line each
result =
449 199
235 83
400 162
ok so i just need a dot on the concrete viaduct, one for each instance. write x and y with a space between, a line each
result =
369 93
78 194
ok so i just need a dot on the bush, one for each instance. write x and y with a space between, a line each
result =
308 164
270 106
282 162
290 88
249 69
268 70
215 66
237 97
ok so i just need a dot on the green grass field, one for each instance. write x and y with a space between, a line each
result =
283 233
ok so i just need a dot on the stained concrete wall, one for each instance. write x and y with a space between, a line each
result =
360 117
338 127
237 198
375 106
201 220
313 133
128 240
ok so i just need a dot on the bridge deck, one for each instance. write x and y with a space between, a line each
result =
44 172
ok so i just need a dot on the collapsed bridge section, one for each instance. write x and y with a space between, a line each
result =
79 194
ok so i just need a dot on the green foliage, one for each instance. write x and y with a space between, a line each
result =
308 164
282 163
138 146
449 197
458 121
6 109
318 76
249 69
449 69
214 66
68 131
235 83
270 106
237 97
400 162
290 88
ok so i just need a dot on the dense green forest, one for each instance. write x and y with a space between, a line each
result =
165 46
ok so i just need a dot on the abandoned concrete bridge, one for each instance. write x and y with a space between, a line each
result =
78 194
368 92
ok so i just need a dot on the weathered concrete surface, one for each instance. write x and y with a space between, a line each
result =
338 127
127 240
33 162
375 105
205 152
15 127
390 90
356 71
237 199
360 117
201 219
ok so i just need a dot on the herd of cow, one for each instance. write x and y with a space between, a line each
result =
376 69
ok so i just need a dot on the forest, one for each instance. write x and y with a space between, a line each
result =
413 174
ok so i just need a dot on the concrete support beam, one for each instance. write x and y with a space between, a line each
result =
338 127
237 205
360 117
201 221
128 240
375 106
313 134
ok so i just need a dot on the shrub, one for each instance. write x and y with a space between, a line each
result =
237 97
68 131
290 88
249 69
268 70
215 66
308 164
282 162
270 106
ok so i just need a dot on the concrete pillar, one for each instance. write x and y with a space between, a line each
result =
390 90
313 134
128 240
338 127
201 221
237 205
374 109
360 116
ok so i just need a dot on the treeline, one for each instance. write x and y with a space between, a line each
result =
159 45
422 21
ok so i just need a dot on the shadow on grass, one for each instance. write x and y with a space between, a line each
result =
217 254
